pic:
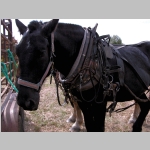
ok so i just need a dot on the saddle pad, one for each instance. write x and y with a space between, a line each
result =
139 58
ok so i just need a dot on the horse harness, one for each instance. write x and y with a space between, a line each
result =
90 68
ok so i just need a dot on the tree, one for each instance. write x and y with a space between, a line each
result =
115 39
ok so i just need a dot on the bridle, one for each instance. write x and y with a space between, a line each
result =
33 85
37 86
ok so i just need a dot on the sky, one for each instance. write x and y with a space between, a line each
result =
129 30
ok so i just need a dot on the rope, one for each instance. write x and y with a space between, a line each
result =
10 55
5 72
122 109
11 59
57 91
135 97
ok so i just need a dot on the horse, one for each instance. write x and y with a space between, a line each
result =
94 72
76 116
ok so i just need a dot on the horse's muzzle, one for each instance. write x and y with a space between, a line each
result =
28 100
28 104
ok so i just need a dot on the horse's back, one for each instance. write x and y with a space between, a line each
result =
144 47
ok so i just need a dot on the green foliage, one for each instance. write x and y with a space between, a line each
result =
115 39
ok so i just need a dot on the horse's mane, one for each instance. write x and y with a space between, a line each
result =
71 31
63 26
36 24
69 26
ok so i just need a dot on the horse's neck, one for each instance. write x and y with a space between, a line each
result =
67 46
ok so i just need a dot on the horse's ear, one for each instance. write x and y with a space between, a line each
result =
22 28
49 27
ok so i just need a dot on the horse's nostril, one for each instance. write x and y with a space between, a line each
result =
30 104
27 104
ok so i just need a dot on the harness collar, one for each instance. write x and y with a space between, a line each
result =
86 64
79 59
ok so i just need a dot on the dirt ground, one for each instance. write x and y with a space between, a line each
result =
50 117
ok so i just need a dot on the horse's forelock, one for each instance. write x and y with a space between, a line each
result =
34 25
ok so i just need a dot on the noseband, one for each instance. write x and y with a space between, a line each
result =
39 84
33 85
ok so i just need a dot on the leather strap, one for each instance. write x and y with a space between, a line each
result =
52 39
33 85
83 63
121 69
81 55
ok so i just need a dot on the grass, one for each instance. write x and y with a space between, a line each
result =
50 117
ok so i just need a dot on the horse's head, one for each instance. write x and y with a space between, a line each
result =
34 56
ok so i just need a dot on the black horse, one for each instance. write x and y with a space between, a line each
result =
89 74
